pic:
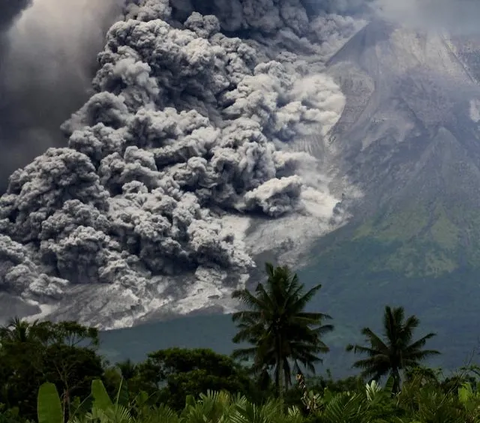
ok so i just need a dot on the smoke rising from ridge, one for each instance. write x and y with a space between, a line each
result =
187 125
454 16
48 56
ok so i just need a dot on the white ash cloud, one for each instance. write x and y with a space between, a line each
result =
187 124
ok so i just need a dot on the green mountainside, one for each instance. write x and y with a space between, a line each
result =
417 241
425 259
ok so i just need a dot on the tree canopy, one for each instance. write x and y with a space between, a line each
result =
397 351
283 335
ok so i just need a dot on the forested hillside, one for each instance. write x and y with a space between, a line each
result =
54 372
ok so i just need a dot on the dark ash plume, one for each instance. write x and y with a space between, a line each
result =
187 127
10 11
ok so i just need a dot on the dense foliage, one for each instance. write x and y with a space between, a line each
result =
53 373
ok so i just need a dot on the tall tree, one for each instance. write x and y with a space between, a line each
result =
397 352
128 369
279 329
18 331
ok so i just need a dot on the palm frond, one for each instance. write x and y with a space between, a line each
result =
363 350
301 302
419 344
395 353
422 355
374 339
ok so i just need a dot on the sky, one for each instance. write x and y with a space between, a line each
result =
48 57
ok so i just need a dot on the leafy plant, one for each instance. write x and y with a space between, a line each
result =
49 406
470 400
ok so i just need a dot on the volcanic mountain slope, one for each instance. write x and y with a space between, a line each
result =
409 139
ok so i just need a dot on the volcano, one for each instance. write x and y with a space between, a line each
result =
212 143
409 139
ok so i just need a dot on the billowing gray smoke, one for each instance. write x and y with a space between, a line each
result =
188 126
47 60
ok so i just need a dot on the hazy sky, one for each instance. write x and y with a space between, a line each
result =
47 62
456 16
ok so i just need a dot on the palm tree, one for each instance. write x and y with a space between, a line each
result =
281 332
18 331
128 369
397 352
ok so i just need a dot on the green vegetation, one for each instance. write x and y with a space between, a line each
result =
53 373
422 253
418 238
369 403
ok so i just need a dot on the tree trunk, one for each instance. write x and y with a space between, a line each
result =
278 368
396 381
280 383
